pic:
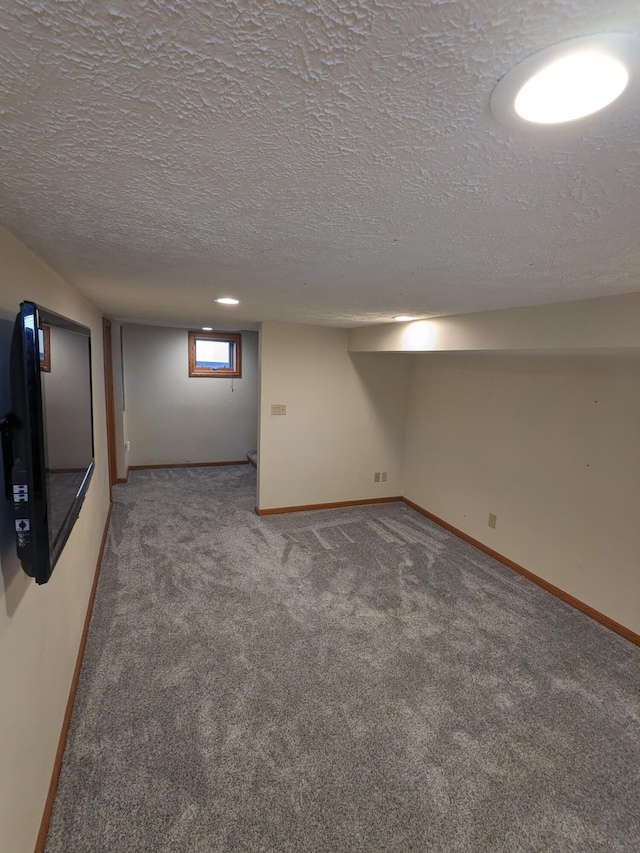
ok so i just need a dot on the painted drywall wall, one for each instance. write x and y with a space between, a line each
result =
344 419
41 626
173 418
550 445
608 323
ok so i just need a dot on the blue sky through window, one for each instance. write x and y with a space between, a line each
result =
213 354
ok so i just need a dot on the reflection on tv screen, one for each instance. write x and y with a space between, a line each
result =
68 429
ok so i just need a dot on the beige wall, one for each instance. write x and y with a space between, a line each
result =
41 626
551 444
345 418
172 418
608 323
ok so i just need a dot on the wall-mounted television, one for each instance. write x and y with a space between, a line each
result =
47 439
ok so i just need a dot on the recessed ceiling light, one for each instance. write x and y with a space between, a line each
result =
227 300
207 328
567 81
403 318
572 87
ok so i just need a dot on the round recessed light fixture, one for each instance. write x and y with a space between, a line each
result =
403 318
227 300
567 81
207 328
572 87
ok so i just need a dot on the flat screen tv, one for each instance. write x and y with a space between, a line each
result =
48 436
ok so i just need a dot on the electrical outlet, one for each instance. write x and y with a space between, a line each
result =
278 409
383 477
127 445
376 477
492 520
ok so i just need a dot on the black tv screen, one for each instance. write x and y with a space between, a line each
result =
52 433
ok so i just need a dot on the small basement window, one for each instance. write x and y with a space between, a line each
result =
215 354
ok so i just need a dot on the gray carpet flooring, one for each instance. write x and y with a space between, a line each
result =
340 680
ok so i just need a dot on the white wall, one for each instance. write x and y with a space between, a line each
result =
551 444
173 418
41 626
345 418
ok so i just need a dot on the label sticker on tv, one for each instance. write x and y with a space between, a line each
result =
22 525
20 493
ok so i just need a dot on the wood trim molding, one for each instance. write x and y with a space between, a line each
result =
123 479
623 631
335 505
57 764
185 465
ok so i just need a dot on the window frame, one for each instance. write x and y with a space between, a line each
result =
233 372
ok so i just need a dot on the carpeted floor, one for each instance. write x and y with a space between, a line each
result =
342 680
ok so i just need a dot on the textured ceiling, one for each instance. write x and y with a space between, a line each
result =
326 162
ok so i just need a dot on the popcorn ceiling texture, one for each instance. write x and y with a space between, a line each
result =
327 162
